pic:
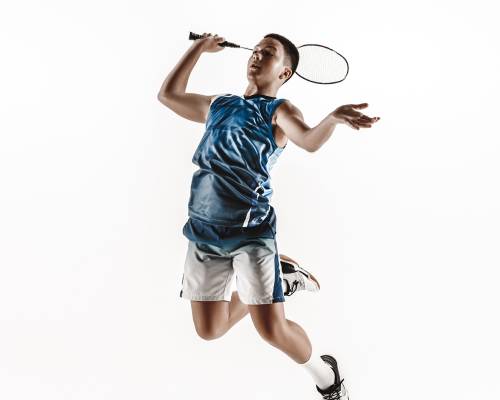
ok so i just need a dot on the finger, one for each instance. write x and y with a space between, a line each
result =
363 122
352 124
362 105
359 121
365 118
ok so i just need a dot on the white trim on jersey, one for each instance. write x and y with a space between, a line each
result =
217 96
247 218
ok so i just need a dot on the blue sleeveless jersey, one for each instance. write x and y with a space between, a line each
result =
231 190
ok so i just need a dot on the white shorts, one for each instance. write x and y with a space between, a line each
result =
209 270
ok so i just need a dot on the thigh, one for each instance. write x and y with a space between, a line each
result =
208 273
258 272
209 316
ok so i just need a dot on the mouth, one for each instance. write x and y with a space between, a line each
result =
254 66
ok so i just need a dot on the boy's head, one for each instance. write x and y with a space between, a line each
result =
277 59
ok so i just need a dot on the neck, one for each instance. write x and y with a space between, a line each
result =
253 89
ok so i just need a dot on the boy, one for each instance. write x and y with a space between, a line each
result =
231 226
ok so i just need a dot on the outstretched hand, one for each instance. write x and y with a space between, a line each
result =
210 44
348 115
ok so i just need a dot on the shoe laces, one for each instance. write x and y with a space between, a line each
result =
336 392
294 287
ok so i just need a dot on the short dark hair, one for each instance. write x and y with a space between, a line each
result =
291 52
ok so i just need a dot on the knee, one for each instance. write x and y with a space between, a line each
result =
209 332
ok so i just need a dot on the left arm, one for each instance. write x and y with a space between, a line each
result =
290 119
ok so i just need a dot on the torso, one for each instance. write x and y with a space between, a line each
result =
278 134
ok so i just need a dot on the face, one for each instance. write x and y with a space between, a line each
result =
269 55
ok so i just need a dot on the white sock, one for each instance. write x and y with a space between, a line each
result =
320 371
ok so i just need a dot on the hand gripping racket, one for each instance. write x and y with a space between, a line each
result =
317 63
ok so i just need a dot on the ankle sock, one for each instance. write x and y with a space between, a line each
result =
320 371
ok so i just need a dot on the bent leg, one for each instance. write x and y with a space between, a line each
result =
285 335
212 319
206 282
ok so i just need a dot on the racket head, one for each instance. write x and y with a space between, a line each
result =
321 64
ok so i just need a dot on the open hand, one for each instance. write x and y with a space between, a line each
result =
210 44
348 115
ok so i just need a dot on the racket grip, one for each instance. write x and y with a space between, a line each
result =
194 36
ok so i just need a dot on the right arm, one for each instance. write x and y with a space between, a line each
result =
173 94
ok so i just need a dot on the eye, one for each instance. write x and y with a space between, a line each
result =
264 52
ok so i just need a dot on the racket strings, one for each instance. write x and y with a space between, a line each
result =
321 65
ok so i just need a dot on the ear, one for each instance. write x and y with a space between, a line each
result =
286 73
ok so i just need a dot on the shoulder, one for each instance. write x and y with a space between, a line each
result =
215 96
287 109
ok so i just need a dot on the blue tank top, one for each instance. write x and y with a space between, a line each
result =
231 190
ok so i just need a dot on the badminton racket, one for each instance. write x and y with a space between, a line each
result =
317 63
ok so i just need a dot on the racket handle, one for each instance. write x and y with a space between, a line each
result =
194 36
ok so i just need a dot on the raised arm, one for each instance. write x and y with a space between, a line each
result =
173 94
290 119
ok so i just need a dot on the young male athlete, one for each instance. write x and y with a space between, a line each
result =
232 226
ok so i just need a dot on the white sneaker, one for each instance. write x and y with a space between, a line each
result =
295 277
337 391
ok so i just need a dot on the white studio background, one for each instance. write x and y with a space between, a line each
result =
399 222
